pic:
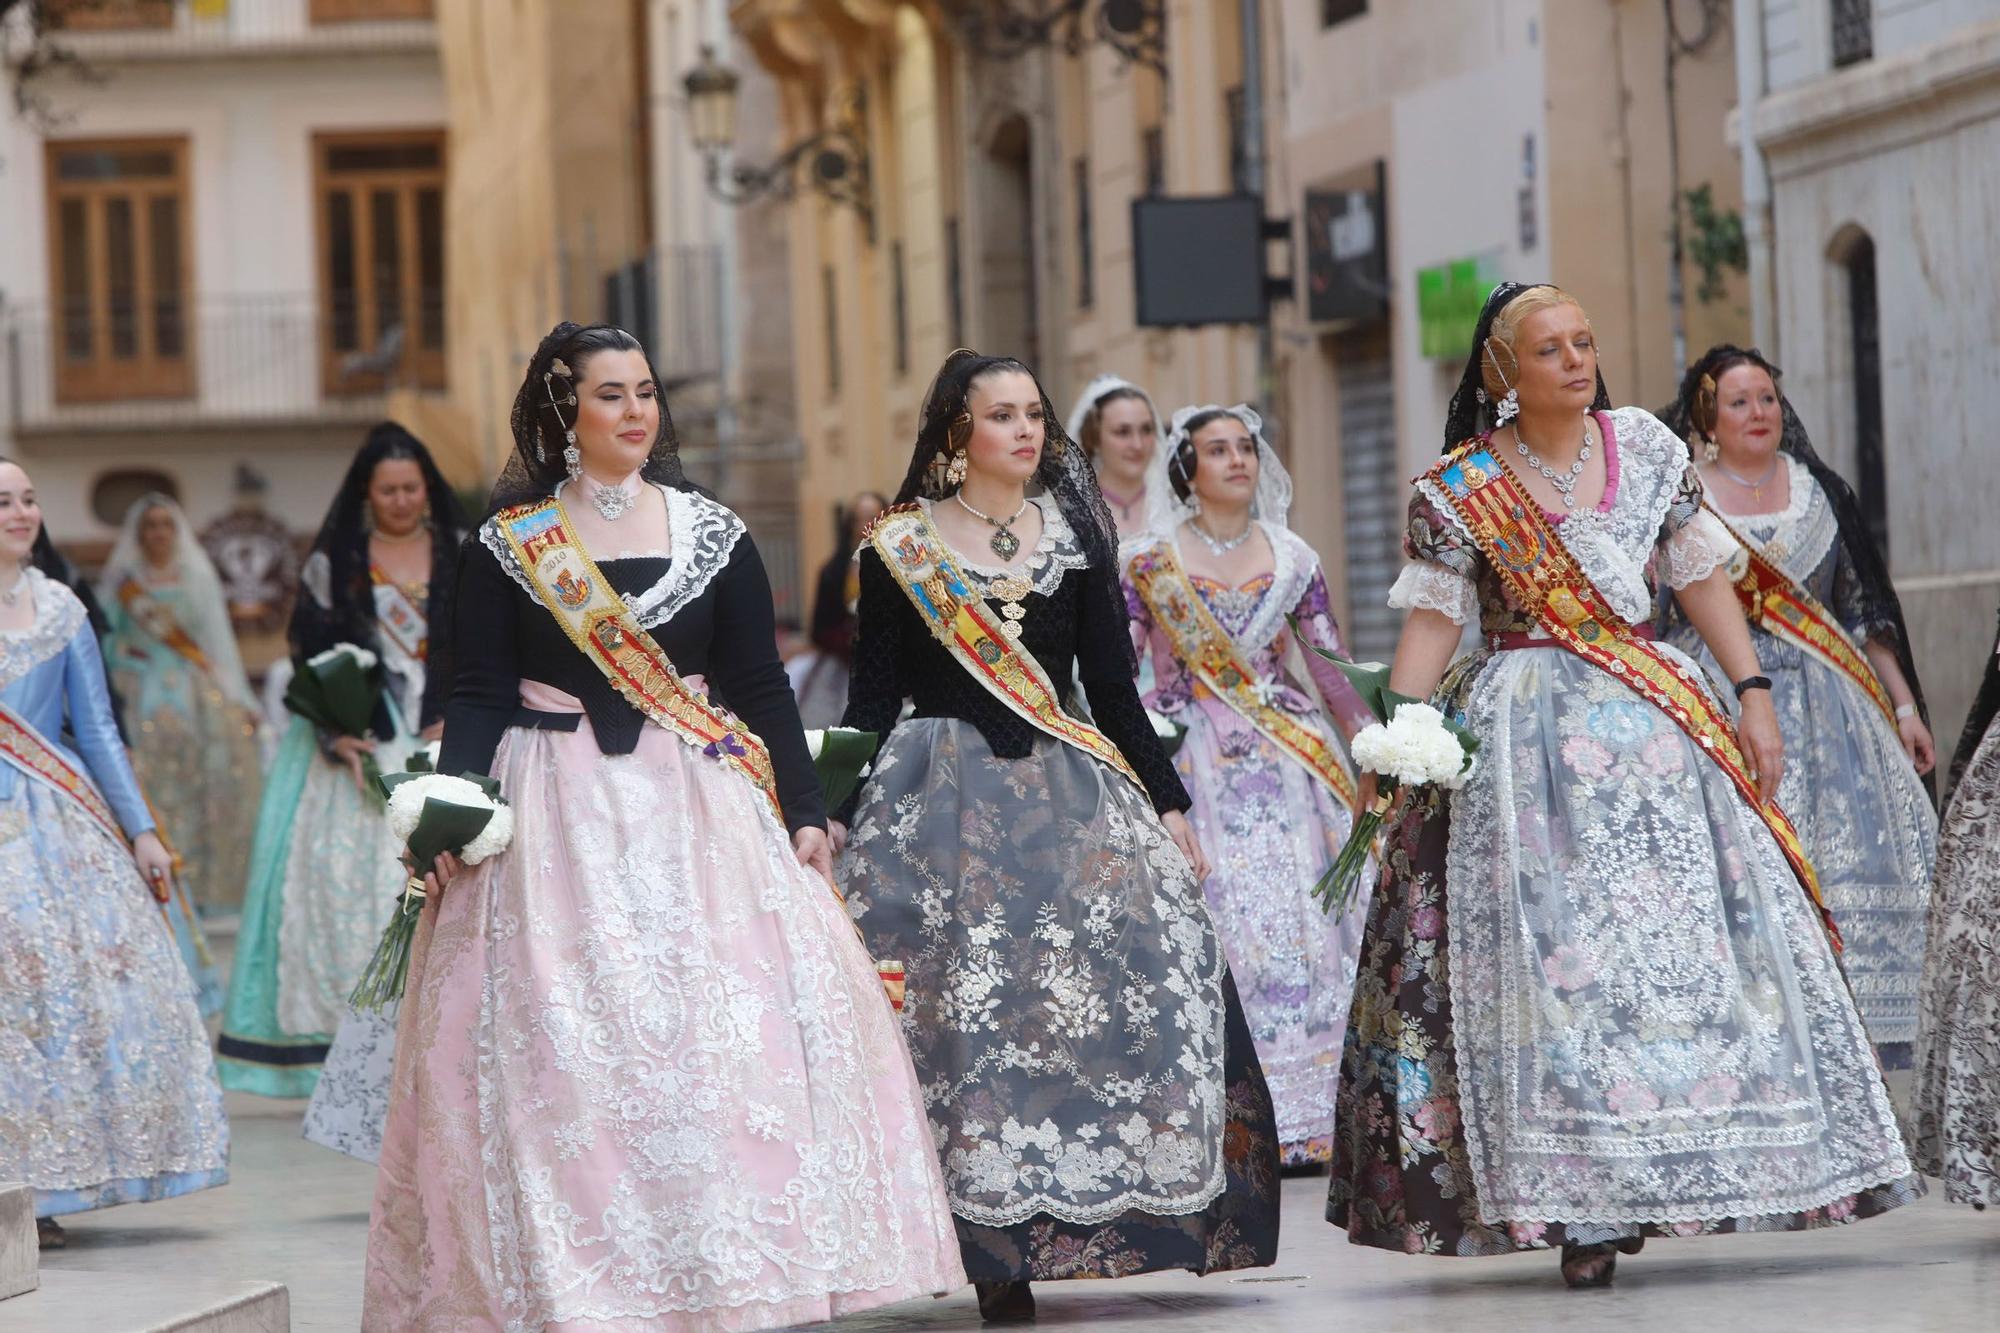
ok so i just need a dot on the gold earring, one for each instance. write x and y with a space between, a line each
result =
954 472
1710 450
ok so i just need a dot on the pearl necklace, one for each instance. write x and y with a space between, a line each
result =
1217 545
1003 542
1564 482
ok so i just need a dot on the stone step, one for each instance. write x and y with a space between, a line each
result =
71 1299
20 1253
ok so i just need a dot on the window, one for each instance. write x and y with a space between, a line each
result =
1239 159
1853 32
1153 152
829 291
1865 356
381 243
114 493
954 277
899 310
1086 259
106 15
119 259
351 11
1339 11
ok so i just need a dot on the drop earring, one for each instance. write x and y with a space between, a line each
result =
572 459
1507 408
954 472
1710 450
572 456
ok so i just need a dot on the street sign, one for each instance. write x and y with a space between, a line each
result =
1199 259
1448 300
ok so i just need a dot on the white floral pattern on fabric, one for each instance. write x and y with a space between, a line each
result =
701 533
1648 1023
1065 982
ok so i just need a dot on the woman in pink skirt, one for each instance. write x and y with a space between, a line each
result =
646 1076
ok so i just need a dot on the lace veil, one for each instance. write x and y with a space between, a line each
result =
205 610
1166 511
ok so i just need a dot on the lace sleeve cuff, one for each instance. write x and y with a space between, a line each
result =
1433 587
1697 549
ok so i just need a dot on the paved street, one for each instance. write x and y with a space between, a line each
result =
299 1214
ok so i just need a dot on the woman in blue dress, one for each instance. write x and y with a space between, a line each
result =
107 1090
323 866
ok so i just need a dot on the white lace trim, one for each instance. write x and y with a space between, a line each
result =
701 535
1293 565
1799 537
1055 555
1427 585
58 614
1698 550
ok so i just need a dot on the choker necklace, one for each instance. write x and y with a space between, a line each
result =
1004 543
613 502
1564 482
1756 488
1216 545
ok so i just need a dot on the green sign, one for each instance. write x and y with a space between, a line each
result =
1448 301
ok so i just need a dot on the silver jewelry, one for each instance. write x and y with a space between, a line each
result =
1756 488
1507 408
1564 482
1217 545
611 501
1003 542
572 456
1904 711
12 596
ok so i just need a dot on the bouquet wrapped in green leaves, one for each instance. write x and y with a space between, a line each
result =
433 815
338 691
840 756
1408 745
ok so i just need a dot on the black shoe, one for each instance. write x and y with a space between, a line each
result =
1005 1302
1589 1265
52 1236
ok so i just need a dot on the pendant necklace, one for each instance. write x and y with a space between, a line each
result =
1564 482
1216 545
613 502
1003 542
1756 488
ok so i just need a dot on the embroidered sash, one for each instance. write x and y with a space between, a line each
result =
959 619
23 747
159 622
1787 609
597 620
400 618
1530 558
1212 658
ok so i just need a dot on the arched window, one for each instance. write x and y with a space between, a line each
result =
1854 252
115 492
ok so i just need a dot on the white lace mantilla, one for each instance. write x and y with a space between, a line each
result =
58 615
701 534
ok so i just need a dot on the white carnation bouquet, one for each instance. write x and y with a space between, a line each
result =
433 815
1410 744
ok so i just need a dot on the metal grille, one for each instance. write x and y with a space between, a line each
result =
1372 493
1853 31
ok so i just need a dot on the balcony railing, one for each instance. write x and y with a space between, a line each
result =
234 360
108 30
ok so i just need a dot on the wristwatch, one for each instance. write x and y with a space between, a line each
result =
1749 683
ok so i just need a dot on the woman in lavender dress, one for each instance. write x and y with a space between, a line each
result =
1211 584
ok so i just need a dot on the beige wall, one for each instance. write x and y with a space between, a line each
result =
545 191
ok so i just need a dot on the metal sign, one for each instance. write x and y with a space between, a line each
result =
1347 247
1449 297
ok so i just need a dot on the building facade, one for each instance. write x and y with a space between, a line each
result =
224 231
1412 152
1870 134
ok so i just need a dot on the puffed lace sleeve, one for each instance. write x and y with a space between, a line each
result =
1694 543
1443 564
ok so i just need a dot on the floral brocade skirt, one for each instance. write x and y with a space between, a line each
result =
1562 1034
1091 1083
1955 1099
645 1075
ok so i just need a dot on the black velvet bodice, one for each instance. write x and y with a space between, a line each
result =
897 658
725 634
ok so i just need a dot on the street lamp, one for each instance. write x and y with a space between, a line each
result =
836 158
1135 29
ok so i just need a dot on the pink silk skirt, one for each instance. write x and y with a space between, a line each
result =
645 1073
